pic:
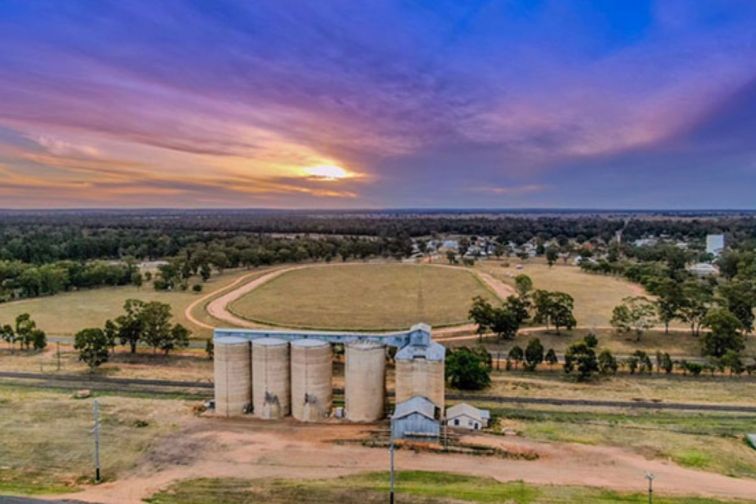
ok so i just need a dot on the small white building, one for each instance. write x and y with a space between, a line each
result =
715 244
703 269
465 416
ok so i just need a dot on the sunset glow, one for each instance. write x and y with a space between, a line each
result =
327 172
229 104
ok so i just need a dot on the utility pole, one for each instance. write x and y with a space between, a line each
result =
391 463
650 477
96 432
391 484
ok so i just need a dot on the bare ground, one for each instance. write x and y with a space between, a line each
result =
247 448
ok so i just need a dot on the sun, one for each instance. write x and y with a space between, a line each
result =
327 172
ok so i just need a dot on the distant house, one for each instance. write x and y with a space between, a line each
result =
703 269
646 242
450 245
415 418
715 244
465 416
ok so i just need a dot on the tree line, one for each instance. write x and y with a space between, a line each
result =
24 280
24 332
149 323
470 368
551 308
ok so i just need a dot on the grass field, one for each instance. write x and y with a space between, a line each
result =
46 440
363 296
706 441
675 388
412 487
185 365
595 295
66 313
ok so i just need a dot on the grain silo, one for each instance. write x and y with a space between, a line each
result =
232 376
311 379
270 378
420 371
365 383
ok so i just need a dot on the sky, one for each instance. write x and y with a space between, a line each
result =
378 104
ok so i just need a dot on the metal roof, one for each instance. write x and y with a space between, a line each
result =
417 404
469 410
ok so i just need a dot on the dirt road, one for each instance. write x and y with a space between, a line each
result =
209 447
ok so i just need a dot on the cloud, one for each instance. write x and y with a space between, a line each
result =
509 191
459 103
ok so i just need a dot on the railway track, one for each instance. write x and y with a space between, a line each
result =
204 390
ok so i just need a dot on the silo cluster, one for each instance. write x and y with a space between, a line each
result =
273 377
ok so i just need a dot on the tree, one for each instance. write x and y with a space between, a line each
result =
533 354
481 313
468 369
129 325
551 357
210 348
581 357
634 314
519 308
697 299
137 279
666 363
607 364
523 285
111 333
723 335
93 346
28 334
554 308
643 361
516 354
731 359
739 297
561 311
178 338
155 320
38 339
8 335
204 271
669 299
552 254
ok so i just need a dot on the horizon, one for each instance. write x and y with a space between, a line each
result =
486 105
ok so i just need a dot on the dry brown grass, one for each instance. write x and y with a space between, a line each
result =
67 313
363 297
595 295
47 444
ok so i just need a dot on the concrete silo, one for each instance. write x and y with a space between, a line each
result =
270 378
365 382
232 375
311 379
420 370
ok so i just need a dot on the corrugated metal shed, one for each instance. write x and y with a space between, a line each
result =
415 418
